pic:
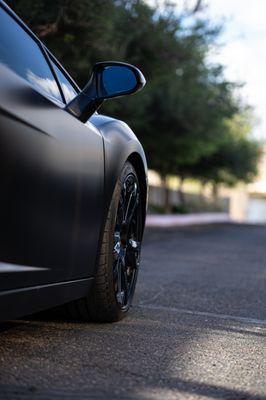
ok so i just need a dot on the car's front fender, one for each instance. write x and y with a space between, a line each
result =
120 145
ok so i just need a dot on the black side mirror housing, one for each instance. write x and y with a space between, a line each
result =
109 79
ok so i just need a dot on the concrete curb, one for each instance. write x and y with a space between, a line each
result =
168 220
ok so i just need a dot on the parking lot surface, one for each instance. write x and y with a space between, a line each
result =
197 329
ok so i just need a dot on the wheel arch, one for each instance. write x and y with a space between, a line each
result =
137 162
120 145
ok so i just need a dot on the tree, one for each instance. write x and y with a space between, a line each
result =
183 115
234 160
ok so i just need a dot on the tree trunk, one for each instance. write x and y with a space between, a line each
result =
215 192
202 190
167 203
181 193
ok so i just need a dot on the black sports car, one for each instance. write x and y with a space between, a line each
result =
73 184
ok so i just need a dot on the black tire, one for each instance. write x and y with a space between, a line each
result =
119 254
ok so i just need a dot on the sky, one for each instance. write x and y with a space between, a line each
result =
243 50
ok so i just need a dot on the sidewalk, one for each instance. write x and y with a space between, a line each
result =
168 220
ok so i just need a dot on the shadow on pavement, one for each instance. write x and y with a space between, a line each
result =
155 354
185 387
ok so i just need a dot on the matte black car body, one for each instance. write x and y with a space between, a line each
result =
57 177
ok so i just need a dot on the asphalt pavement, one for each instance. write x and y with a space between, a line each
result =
197 329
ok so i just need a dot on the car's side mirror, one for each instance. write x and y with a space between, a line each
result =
109 79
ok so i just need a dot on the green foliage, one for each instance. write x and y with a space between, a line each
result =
187 116
234 159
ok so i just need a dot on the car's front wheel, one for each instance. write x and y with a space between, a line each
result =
113 289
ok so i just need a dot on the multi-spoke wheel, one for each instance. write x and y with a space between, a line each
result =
127 241
114 285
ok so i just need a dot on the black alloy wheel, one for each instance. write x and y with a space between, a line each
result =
127 241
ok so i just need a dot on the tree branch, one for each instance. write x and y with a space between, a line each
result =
49 29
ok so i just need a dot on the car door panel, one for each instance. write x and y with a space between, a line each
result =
52 177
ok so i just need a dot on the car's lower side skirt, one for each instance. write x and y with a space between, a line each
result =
19 302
